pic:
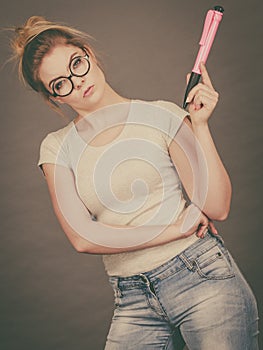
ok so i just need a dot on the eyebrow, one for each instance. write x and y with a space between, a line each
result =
70 59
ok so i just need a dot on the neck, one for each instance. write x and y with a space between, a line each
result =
110 97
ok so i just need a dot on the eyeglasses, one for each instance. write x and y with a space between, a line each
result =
78 67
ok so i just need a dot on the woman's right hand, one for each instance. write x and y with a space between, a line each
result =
193 221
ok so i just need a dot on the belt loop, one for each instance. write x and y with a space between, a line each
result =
191 265
115 284
219 238
148 283
144 278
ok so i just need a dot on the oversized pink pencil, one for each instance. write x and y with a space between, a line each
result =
213 18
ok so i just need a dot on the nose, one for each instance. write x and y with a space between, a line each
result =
77 82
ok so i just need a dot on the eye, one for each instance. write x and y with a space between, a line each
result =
59 85
76 62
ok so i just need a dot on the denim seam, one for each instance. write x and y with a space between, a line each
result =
168 340
148 290
160 313
200 251
222 277
216 257
170 272
218 278
225 253
157 291
193 266
188 263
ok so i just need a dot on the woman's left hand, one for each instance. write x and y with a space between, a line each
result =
202 99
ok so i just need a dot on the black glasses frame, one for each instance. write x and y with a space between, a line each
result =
71 75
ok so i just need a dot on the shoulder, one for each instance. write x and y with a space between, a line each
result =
53 149
167 106
56 138
171 107
170 117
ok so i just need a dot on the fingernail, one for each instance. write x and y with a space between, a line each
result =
188 100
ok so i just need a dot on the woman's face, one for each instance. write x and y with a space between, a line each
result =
88 90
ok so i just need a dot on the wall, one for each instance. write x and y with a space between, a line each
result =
52 297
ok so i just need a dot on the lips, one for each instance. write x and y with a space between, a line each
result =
89 91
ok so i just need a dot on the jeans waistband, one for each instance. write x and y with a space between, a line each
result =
175 264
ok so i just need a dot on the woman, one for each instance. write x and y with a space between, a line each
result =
115 176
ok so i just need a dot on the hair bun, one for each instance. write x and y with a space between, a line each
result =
35 20
25 33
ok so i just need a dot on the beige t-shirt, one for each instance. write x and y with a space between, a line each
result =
129 181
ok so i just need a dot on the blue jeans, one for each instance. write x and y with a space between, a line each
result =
200 291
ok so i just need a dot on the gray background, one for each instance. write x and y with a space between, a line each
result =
52 297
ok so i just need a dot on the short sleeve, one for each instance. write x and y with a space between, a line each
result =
52 150
174 118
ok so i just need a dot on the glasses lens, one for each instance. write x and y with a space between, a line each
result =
79 66
62 86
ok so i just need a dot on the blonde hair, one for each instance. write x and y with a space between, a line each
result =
34 40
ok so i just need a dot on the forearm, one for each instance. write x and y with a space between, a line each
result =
218 196
95 237
121 239
214 198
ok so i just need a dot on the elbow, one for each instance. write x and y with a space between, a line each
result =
83 246
79 249
221 215
79 246
219 209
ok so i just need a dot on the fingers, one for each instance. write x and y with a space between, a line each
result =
202 227
212 228
205 77
201 224
202 89
202 95
202 230
205 98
